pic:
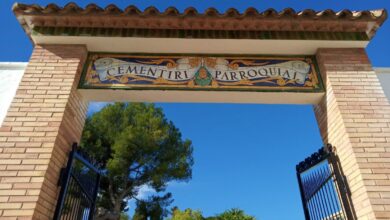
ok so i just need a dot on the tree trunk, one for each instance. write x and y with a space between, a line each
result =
103 214
108 216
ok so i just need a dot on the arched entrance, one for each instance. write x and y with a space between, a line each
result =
48 112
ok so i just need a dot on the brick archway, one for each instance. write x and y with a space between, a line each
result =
48 113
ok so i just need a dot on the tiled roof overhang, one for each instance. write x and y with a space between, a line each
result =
92 20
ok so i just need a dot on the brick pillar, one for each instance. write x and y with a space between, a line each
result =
354 116
45 117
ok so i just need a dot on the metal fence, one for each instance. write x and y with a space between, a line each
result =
79 186
323 186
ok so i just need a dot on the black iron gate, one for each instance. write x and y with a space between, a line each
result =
323 186
79 186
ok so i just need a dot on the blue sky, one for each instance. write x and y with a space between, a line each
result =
14 33
245 155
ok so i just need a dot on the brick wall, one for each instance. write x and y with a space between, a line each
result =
46 116
354 116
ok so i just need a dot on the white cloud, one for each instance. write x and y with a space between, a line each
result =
144 191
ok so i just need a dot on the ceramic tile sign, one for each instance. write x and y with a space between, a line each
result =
201 73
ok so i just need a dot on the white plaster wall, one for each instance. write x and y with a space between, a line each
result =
10 76
384 78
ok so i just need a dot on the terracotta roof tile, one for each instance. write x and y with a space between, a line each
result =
93 9
72 15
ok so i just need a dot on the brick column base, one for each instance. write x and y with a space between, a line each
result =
354 116
46 116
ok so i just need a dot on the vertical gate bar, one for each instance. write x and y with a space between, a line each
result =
64 186
85 204
93 206
332 192
325 194
322 194
324 190
311 201
314 198
312 211
86 208
337 196
330 195
68 206
72 198
311 198
343 187
319 182
333 167
68 201
338 192
80 206
303 198
77 201
336 187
